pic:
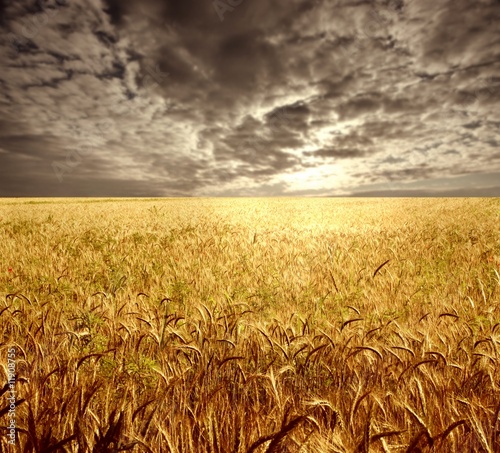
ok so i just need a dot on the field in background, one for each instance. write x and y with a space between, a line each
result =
252 325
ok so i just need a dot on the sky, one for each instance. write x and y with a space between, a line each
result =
249 98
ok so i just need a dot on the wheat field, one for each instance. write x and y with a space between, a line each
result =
251 325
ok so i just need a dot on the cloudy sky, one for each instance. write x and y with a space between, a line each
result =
249 97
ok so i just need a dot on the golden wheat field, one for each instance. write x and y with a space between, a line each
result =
250 325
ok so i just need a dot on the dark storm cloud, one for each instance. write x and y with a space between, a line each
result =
227 97
472 125
2 12
354 108
37 146
336 153
402 192
387 130
91 177
209 60
457 186
262 154
294 116
420 172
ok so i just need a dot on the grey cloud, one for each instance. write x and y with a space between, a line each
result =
389 130
393 160
401 192
258 153
194 103
359 106
42 147
258 145
354 138
294 116
473 184
473 125
341 153
2 12
442 42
